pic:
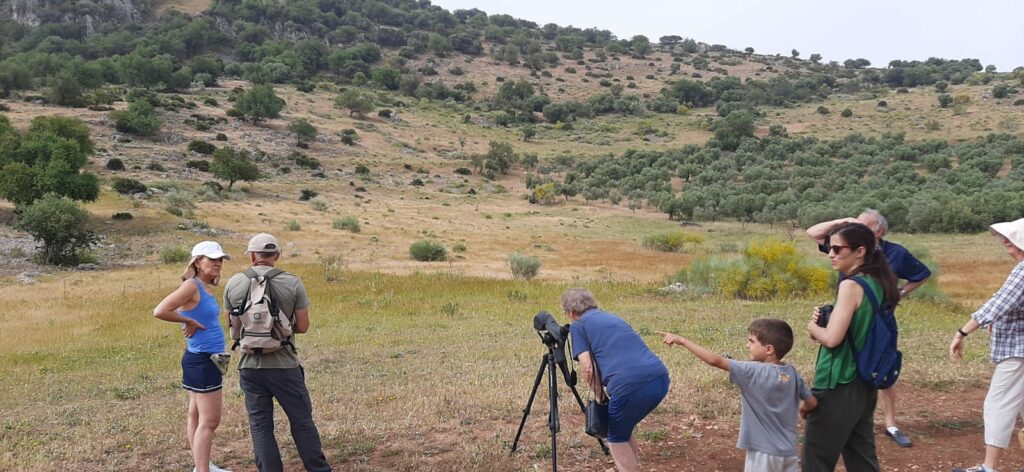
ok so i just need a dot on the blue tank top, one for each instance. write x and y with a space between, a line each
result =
207 313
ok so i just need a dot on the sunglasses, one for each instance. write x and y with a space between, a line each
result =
836 249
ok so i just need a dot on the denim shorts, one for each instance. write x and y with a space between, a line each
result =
626 411
199 374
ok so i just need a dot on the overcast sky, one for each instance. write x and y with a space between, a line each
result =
880 31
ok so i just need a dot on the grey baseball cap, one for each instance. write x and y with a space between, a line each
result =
263 242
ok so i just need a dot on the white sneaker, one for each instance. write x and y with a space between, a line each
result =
213 468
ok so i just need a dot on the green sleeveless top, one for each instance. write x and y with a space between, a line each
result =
836 366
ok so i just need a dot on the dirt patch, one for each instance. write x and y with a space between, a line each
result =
946 428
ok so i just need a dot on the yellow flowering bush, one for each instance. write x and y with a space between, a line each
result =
768 269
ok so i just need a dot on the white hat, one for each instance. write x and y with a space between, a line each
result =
263 242
1012 230
209 250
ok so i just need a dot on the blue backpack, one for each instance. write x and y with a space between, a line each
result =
878 362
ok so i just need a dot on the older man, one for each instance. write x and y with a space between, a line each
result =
906 267
277 374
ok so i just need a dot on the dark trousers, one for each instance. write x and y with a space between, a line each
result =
843 423
288 386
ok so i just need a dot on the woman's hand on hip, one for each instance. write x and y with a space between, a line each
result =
191 326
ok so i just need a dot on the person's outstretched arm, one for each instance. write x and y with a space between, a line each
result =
703 353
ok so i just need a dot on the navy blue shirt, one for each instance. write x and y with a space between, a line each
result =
624 361
901 261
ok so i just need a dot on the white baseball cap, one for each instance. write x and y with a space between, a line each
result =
1012 230
209 250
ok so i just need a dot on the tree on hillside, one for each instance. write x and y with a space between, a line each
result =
729 131
500 157
303 130
46 159
357 102
387 77
258 103
641 45
60 225
670 40
815 58
231 165
794 53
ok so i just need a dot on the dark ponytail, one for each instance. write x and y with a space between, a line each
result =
875 264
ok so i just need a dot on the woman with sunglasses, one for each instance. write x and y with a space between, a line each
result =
843 423
196 309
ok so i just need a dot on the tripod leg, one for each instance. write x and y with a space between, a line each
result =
529 403
554 422
583 408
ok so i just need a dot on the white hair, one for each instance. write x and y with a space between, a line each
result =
883 224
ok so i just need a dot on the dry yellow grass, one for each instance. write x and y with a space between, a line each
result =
427 370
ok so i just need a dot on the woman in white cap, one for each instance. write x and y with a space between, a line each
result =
1003 314
195 307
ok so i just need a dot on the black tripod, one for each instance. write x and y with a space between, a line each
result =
552 358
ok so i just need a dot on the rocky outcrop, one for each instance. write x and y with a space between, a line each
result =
33 13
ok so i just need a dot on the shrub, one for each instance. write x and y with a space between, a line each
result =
319 205
846 113
767 270
523 267
115 164
292 226
428 251
463 171
883 103
671 241
823 110
347 223
174 254
122 216
459 247
138 119
307 194
127 186
60 225
305 161
201 147
175 211
200 165
221 137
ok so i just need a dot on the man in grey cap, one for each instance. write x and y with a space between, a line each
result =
278 374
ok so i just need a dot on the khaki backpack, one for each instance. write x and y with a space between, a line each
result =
258 325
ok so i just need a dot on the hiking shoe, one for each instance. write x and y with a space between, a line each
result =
899 438
977 468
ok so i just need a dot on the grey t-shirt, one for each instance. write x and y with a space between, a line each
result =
771 395
289 294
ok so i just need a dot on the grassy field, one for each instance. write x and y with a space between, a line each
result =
423 369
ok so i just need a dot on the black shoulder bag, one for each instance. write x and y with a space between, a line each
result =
596 412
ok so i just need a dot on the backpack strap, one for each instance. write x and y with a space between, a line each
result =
875 309
267 277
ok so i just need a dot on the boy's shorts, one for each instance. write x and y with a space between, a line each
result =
199 374
625 411
760 462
